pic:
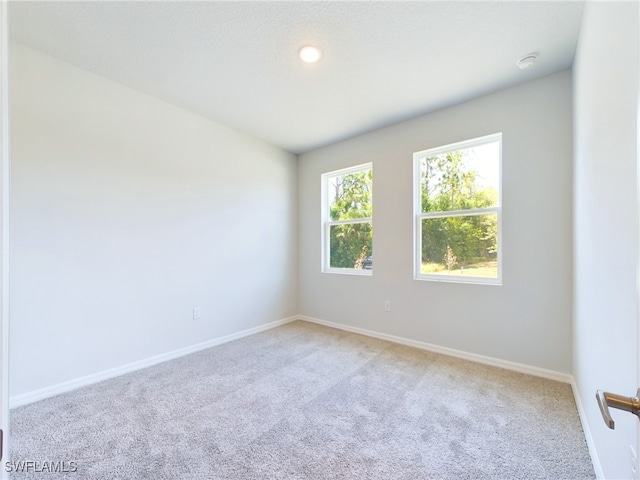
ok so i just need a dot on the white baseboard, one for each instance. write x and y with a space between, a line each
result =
496 362
518 367
36 395
595 460
41 394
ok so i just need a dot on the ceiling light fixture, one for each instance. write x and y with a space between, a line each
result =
527 61
309 54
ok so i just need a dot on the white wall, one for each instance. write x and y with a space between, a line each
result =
606 222
126 213
526 320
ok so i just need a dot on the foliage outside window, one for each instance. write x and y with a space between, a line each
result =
347 220
458 212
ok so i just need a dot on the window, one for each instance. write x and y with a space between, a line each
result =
347 220
457 204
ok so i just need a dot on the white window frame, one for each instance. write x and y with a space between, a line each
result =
419 216
327 223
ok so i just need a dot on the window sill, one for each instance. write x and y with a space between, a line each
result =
459 279
349 271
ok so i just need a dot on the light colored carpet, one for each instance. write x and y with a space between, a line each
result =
304 401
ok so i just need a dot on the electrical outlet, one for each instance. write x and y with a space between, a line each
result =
197 313
387 306
634 460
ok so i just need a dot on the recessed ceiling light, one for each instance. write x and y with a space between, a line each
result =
527 61
309 54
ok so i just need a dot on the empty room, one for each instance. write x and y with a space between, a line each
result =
320 240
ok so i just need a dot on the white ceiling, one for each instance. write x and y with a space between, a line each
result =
236 62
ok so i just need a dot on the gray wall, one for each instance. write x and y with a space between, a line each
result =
126 213
606 222
526 320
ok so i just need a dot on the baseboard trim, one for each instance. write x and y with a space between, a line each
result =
53 390
57 389
518 367
34 396
595 460
495 362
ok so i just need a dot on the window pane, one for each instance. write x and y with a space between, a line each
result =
465 245
350 246
350 195
461 179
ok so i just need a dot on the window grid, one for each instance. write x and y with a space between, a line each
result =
420 216
328 223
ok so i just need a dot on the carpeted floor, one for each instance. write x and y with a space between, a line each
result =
304 401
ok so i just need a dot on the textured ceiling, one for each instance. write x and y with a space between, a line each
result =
236 62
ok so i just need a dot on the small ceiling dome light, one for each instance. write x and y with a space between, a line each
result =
527 61
309 54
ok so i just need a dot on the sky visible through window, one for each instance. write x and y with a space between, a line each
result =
484 160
